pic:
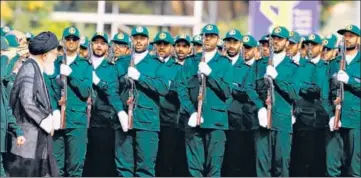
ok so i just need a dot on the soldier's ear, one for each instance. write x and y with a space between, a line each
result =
287 43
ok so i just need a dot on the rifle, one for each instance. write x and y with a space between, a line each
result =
64 93
89 101
270 91
340 91
111 55
131 99
202 87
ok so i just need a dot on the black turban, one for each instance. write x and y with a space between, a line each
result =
43 43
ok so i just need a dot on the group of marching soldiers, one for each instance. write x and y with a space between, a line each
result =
284 105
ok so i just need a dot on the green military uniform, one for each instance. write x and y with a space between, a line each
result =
343 145
84 42
205 144
197 40
9 78
70 143
136 150
273 146
312 111
242 113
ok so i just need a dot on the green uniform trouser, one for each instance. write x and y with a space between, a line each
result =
239 154
343 153
69 150
273 149
2 170
308 153
205 150
138 160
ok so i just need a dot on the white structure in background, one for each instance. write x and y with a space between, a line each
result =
119 20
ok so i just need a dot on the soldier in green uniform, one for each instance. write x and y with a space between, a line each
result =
205 142
329 48
294 47
343 145
220 47
312 111
303 48
84 45
121 44
100 150
242 111
265 45
273 146
13 57
70 142
197 45
136 147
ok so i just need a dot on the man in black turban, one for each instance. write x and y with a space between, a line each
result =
32 109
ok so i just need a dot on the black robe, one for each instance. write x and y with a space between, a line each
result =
30 104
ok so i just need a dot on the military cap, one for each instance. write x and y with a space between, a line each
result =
249 40
350 28
314 38
102 35
197 39
264 39
233 34
184 37
295 37
5 30
84 42
280 32
139 30
210 29
29 35
71 31
12 40
330 42
220 43
163 36
4 44
121 38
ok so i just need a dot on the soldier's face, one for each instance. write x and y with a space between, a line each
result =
265 49
163 49
279 44
249 52
182 49
316 49
351 40
210 42
327 54
120 49
83 52
72 44
100 47
140 42
292 49
197 48
233 47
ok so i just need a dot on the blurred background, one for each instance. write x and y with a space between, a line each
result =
253 17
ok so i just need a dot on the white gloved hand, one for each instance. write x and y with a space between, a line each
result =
293 119
262 117
271 71
133 73
65 70
192 122
342 76
331 123
96 79
47 124
123 119
57 119
204 68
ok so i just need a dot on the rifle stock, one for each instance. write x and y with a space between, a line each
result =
340 92
270 90
131 99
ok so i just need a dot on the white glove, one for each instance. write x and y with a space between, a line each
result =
96 79
293 119
65 70
271 71
331 123
262 117
204 68
47 124
57 121
133 73
123 119
342 76
192 122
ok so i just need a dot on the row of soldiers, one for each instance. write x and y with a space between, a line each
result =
179 106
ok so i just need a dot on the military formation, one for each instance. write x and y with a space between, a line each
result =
283 105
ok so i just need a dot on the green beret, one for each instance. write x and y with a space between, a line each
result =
233 34
163 36
4 44
350 28
12 40
314 38
197 39
84 42
295 37
139 30
71 31
280 32
184 37
102 35
264 39
250 41
121 38
5 30
210 29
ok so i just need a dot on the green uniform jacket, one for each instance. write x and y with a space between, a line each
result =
285 92
312 108
217 92
79 84
103 114
245 100
350 110
148 89
169 104
9 77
